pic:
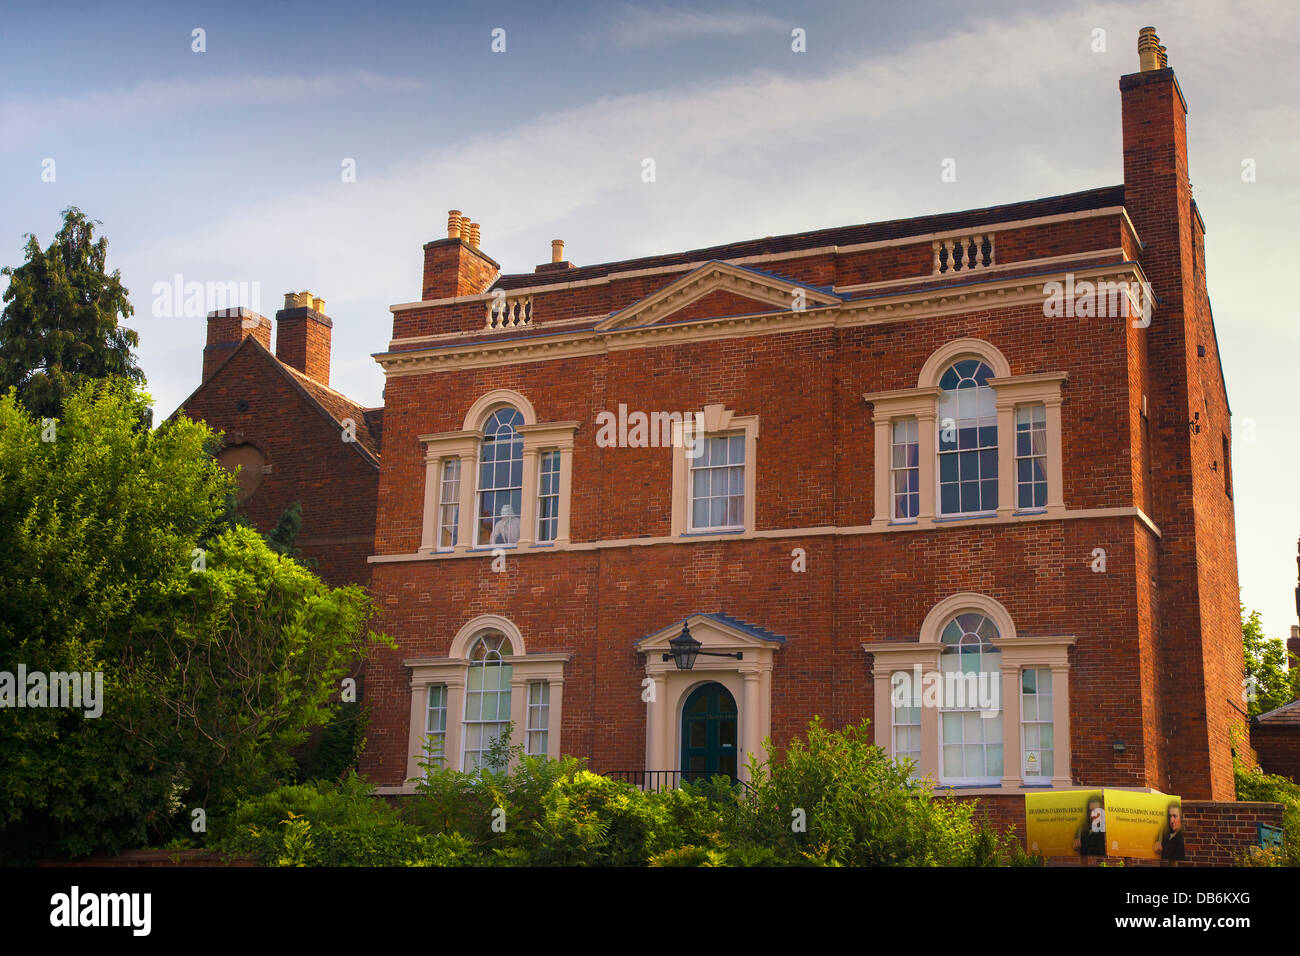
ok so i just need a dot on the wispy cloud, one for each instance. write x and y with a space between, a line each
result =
23 117
634 27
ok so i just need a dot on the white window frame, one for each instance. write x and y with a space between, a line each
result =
453 672
500 666
980 422
717 421
962 780
538 721
481 489
922 403
538 437
430 731
1037 780
910 447
731 440
1035 427
913 728
544 494
449 504
1016 651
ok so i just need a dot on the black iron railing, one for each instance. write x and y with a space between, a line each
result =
656 780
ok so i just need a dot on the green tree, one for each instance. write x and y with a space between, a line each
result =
283 536
217 654
1268 682
60 325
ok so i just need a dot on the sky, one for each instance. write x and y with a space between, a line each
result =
230 164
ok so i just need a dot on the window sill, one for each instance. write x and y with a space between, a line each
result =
973 516
704 532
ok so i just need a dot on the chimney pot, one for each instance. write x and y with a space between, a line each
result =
453 224
464 228
557 250
474 234
1151 55
302 340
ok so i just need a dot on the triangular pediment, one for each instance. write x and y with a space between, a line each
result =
715 632
720 289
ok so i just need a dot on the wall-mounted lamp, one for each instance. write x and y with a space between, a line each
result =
1118 747
1195 423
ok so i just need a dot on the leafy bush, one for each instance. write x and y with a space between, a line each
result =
1271 788
838 799
857 806
328 824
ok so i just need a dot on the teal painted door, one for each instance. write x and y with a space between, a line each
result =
709 733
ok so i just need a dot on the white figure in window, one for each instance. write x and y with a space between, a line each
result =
506 528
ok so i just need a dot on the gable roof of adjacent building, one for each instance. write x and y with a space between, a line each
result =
1284 715
334 406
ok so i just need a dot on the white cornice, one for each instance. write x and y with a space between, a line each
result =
1094 514
897 307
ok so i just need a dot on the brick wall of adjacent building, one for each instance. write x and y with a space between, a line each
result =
1277 749
336 486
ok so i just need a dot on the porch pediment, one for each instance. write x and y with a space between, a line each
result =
715 632
723 289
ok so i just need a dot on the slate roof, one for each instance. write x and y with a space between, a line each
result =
1287 714
837 236
333 405
753 630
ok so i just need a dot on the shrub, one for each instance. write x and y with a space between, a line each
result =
838 799
857 806
326 824
1271 788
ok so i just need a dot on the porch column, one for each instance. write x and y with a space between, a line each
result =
750 735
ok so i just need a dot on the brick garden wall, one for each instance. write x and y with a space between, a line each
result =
1218 833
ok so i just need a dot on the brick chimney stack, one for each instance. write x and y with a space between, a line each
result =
456 266
1198 649
226 329
303 333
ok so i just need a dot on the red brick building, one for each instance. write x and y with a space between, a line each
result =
289 435
969 443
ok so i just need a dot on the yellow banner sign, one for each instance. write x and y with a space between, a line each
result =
1147 826
1066 823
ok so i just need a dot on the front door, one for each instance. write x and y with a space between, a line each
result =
709 733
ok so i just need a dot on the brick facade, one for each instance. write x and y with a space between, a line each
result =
1155 664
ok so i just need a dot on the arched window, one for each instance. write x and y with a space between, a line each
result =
968 662
970 714
500 478
487 698
968 440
